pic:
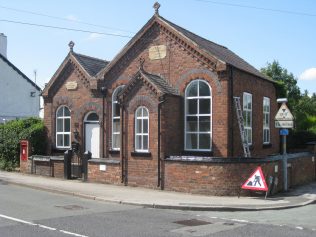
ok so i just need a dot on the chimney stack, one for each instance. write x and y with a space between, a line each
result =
3 45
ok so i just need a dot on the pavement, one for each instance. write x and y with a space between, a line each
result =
298 197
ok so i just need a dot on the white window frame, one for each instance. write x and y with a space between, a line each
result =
198 115
63 117
266 117
142 134
114 103
247 113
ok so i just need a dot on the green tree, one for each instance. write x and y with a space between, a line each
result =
302 106
286 82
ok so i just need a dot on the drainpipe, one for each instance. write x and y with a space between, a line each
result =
232 110
123 175
161 100
103 91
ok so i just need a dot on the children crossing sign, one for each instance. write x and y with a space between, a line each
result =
256 181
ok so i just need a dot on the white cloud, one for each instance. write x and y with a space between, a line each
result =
71 18
94 36
308 74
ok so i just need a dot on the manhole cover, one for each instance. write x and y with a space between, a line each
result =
192 222
71 207
228 223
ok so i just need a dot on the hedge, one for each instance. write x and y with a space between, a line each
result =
299 139
12 132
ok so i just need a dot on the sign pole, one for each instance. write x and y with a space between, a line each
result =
284 119
284 161
284 144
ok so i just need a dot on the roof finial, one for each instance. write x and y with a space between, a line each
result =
156 7
141 61
71 46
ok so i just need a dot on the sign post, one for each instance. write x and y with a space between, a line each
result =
284 119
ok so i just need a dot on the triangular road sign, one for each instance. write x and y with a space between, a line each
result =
256 181
284 114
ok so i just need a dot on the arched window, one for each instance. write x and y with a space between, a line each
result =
141 129
116 126
198 116
63 127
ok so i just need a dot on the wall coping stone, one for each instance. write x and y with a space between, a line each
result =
203 159
104 161
45 158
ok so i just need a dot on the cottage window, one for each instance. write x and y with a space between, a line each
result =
266 120
141 129
63 127
116 126
198 116
247 114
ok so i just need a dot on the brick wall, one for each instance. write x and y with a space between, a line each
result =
172 127
227 178
57 168
112 174
221 177
42 168
301 171
259 88
141 168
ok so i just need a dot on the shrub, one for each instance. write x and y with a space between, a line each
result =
299 139
12 132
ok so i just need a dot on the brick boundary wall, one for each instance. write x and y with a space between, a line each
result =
207 176
52 166
224 177
302 170
111 174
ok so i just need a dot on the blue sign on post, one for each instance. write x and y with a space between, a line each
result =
284 132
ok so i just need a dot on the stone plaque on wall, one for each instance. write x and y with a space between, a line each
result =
71 85
157 52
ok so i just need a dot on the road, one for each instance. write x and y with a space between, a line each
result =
27 212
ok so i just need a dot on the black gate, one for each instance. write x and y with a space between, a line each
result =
76 164
73 162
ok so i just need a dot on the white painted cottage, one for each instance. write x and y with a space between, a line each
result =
19 95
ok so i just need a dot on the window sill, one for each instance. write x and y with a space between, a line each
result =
140 154
60 151
114 152
267 145
197 153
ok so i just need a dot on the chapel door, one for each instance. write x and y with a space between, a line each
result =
92 134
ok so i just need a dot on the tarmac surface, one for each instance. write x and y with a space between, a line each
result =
300 196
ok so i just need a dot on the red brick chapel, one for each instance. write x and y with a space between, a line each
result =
161 114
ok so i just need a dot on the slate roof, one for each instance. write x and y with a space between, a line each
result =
90 64
215 50
219 51
160 84
19 72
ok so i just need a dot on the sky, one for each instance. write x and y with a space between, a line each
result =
258 31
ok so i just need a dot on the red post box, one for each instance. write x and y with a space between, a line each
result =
24 150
